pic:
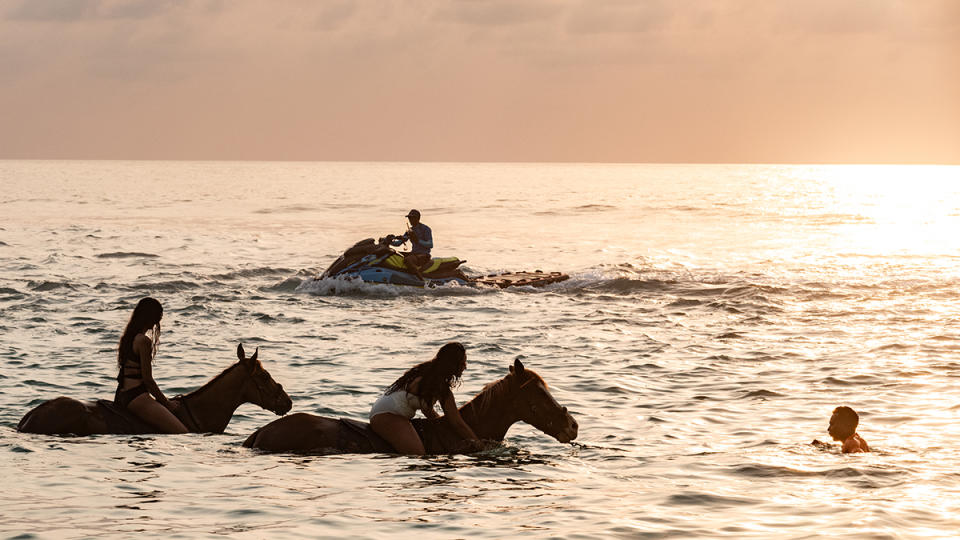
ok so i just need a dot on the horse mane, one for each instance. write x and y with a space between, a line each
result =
499 388
210 383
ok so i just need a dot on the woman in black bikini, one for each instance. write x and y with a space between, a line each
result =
137 391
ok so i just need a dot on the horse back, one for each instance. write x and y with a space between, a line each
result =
63 416
68 416
298 432
308 433
121 421
354 436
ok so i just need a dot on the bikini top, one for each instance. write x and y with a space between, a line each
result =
130 368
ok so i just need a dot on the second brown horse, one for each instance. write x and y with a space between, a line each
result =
520 396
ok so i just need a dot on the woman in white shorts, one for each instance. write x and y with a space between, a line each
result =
419 389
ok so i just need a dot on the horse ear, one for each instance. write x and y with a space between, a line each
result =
255 353
240 353
517 367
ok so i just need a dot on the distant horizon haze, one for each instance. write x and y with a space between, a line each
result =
566 81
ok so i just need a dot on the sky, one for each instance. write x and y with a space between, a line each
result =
637 81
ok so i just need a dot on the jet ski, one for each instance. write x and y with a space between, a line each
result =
375 261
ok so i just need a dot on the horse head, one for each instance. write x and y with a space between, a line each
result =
260 388
533 402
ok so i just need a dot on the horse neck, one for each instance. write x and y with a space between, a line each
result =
489 414
213 404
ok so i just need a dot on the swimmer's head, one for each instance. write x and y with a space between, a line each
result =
843 423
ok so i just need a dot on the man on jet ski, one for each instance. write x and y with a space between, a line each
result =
421 238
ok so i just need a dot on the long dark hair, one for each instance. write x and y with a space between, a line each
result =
147 314
438 374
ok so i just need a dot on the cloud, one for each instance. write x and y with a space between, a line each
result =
820 17
618 17
53 10
335 14
135 9
500 12
65 11
586 79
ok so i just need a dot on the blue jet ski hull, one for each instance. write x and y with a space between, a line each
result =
390 276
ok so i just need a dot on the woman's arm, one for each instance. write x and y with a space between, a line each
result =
429 411
449 405
144 349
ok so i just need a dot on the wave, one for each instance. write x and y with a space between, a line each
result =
683 288
708 499
594 207
856 380
582 209
43 384
774 471
126 255
51 285
291 208
677 287
343 286
761 394
894 347
690 287
627 285
265 271
280 318
287 285
176 285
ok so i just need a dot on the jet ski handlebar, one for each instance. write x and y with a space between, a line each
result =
388 239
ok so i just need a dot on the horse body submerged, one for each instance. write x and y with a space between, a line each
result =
520 396
205 410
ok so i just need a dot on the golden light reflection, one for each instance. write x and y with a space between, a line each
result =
907 210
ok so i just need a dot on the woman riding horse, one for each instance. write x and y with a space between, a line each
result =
420 388
136 389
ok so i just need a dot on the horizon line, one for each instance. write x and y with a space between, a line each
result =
494 162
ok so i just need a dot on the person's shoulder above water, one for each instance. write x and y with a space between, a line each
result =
855 443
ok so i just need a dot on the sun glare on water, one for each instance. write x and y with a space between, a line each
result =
902 210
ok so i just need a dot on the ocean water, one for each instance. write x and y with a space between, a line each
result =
714 317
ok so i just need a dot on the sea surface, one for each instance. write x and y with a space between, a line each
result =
714 317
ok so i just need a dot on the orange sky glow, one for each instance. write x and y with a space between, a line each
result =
737 81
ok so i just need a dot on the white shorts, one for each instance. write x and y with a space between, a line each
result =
401 402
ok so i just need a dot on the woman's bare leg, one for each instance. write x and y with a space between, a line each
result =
152 412
399 432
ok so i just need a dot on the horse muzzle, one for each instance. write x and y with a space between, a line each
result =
569 432
283 407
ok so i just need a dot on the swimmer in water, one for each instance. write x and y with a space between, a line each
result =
843 428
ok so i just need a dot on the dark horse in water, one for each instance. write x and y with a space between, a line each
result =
521 395
205 410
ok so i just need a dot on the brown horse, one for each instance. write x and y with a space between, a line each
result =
205 410
521 395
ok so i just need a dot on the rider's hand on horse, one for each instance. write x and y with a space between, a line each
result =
480 445
489 444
